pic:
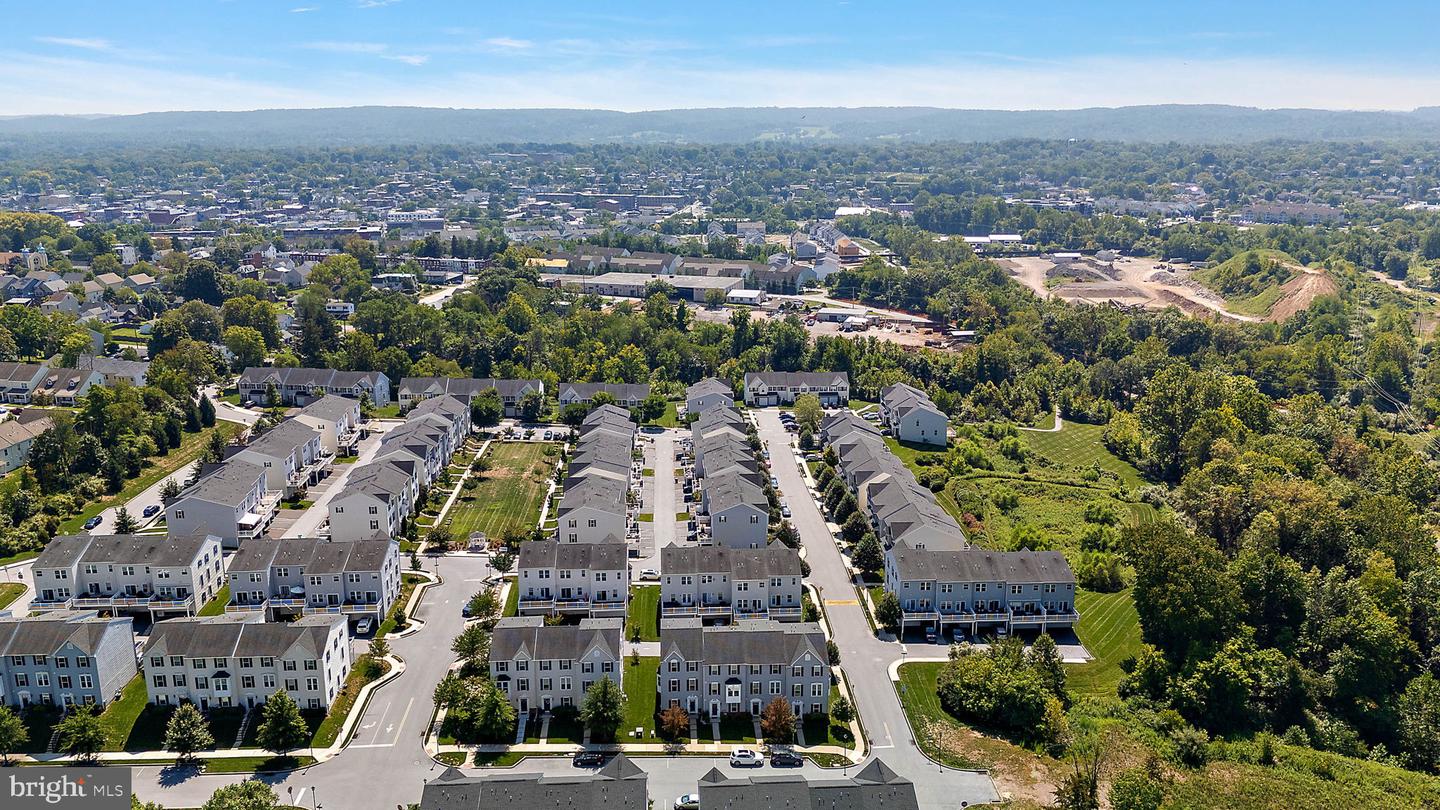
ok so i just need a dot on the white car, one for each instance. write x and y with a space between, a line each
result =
363 626
690 801
649 573
746 758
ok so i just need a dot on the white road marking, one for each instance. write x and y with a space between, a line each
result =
390 744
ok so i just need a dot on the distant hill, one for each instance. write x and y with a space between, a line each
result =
420 125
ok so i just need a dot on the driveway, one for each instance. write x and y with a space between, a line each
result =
309 523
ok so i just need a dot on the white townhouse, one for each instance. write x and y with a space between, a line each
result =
232 503
337 419
291 454
17 435
376 500
977 590
539 667
590 579
240 660
737 669
304 576
708 393
511 392
18 380
714 582
301 386
65 658
912 417
447 413
626 395
594 506
738 510
154 575
763 388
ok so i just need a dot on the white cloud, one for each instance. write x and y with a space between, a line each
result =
508 43
412 59
375 3
88 44
303 9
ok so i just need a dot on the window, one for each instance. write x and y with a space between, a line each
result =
247 663
291 685
202 683
179 514
247 681
87 682
311 665
61 662
267 681
267 661
159 681
157 661
312 684
178 679
42 679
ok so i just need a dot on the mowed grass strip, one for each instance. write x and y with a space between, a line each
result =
1079 445
509 493
1110 629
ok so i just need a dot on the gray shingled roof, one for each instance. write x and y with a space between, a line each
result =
464 387
620 785
813 379
588 556
315 555
530 634
709 385
621 391
306 377
739 563
228 485
284 438
874 787
47 633
163 551
981 565
330 407
225 637
761 641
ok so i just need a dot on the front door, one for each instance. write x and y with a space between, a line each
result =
524 704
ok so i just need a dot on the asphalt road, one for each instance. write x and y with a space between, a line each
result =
865 659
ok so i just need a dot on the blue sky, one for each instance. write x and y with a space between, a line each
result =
125 56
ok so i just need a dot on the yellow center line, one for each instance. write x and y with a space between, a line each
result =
842 601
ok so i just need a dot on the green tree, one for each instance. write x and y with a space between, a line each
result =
281 729
207 412
604 709
777 721
13 734
1186 600
1419 710
887 612
855 527
82 735
841 711
247 345
808 412
486 409
124 522
188 731
674 723
494 716
251 794
1136 789
868 556
472 646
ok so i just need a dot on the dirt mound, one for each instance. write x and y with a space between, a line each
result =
1297 294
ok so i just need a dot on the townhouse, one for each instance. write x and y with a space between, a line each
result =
448 413
626 395
16 436
337 419
64 386
734 500
238 659
539 666
377 499
595 505
148 574
979 591
619 784
715 582
511 392
736 669
114 370
65 658
874 786
912 417
898 507
764 388
291 454
708 393
426 444
590 579
304 576
18 380
232 502
301 386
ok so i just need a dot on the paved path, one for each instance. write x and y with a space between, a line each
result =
865 659
438 298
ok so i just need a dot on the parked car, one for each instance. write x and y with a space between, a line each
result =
784 510
929 636
152 510
774 482
786 759
957 635
465 611
746 758
649 573
690 801
588 759
92 522
363 626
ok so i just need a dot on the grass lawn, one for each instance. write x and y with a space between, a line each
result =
363 672
1110 630
216 606
256 764
1058 509
669 419
565 731
1078 445
509 493
737 728
642 701
40 722
191 445
455 759
922 707
498 759
408 582
391 411
682 517
9 592
512 601
645 612
19 557
121 719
